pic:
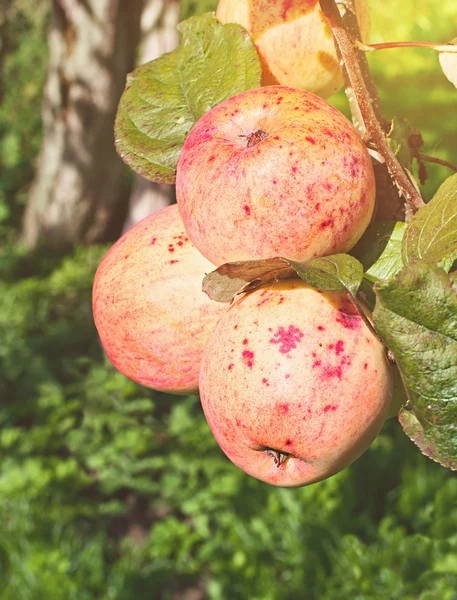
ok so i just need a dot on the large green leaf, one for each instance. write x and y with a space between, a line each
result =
431 234
339 272
164 98
416 314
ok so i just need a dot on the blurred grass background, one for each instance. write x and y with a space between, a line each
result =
111 491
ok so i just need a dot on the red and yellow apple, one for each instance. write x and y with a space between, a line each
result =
293 384
293 40
274 171
151 315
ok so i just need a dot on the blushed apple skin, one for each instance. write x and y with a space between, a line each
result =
295 370
151 315
305 190
293 40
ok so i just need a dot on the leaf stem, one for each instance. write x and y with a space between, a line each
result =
437 161
387 45
360 84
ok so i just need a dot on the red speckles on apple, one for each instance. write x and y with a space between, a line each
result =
287 339
328 132
365 365
331 372
247 210
317 363
265 381
248 358
286 6
354 166
171 248
326 223
288 442
230 367
245 341
347 319
339 348
310 139
329 407
211 158
320 328
173 262
294 169
263 302
283 408
153 241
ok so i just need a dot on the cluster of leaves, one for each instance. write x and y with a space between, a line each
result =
23 52
110 490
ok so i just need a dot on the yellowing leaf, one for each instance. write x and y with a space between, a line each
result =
448 62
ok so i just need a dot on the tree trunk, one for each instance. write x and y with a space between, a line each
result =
159 35
80 182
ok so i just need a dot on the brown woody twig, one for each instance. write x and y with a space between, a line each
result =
359 84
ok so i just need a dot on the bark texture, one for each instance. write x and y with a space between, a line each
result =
80 181
158 36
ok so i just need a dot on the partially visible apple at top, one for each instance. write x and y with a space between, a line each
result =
274 171
293 40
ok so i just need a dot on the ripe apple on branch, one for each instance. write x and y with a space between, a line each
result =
276 189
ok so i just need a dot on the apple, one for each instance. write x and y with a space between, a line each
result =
151 315
293 40
293 384
274 171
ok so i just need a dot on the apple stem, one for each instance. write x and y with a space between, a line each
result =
364 99
254 138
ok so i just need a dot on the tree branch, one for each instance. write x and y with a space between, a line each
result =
386 45
374 127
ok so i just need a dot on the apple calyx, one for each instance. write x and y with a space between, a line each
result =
254 138
278 456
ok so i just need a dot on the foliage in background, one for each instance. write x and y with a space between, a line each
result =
109 490
23 54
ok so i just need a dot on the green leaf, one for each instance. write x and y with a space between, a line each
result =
431 234
416 314
339 272
379 250
164 98
426 444
398 140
